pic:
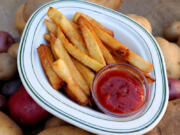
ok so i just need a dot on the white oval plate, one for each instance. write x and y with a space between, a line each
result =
128 32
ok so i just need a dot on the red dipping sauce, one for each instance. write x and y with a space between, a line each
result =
119 92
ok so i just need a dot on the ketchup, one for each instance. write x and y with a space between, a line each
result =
119 92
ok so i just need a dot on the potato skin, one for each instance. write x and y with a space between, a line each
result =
54 122
64 130
30 6
13 50
8 127
19 19
8 66
171 54
141 20
172 32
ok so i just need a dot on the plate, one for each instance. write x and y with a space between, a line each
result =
130 33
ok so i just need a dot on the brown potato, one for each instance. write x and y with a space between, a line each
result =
8 126
54 122
141 20
32 5
113 4
19 20
13 50
172 32
64 130
171 53
8 66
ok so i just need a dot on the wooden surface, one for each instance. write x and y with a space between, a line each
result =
159 12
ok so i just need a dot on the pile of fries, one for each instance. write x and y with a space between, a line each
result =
78 49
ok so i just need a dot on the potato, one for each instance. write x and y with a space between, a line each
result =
54 122
113 4
169 125
13 50
31 5
19 19
8 127
6 40
141 20
178 42
171 54
172 32
8 66
64 130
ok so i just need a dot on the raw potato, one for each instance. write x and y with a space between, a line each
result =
13 50
178 42
169 125
141 20
64 130
8 127
172 32
8 66
113 4
31 5
54 122
171 54
19 19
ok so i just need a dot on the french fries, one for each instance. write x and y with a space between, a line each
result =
67 28
78 54
107 55
73 90
46 59
50 26
61 53
91 43
78 50
86 72
78 14
123 51
47 37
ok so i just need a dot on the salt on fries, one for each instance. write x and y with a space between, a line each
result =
78 50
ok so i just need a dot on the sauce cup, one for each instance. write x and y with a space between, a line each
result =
132 76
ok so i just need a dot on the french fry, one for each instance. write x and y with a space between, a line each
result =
86 72
149 78
61 53
51 26
47 37
73 89
78 14
91 43
78 54
46 59
123 51
107 55
67 28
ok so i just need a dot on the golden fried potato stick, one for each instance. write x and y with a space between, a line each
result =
61 53
51 26
46 59
123 51
67 27
78 14
85 71
74 90
149 78
78 54
92 44
106 53
47 37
